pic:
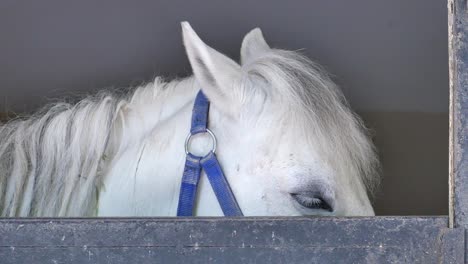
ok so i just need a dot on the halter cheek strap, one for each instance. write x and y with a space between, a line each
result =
209 163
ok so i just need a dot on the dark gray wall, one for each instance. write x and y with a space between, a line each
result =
390 58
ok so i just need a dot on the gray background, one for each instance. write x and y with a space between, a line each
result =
389 57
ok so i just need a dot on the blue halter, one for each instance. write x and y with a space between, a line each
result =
209 163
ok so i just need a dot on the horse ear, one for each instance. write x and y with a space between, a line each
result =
217 74
253 45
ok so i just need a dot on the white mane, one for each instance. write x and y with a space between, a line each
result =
51 163
319 109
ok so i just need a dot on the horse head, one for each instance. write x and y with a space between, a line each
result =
289 141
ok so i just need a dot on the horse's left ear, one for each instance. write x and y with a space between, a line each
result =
218 75
253 45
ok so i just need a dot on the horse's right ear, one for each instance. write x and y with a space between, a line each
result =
218 75
253 45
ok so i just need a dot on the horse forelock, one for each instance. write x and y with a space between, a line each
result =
317 108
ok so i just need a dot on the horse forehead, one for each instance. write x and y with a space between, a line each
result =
270 159
269 145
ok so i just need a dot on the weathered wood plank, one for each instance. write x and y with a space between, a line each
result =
222 240
458 165
458 49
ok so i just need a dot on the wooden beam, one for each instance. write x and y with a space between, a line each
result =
458 65
231 240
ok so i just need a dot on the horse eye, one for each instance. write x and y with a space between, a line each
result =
312 201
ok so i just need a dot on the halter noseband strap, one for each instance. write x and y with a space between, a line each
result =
209 163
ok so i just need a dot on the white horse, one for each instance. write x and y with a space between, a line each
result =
287 141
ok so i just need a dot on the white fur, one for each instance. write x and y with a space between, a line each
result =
282 127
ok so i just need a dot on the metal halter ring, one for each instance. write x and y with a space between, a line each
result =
187 140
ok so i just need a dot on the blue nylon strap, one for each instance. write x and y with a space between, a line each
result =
194 165
220 185
200 112
188 189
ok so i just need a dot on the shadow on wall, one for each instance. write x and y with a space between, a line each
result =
413 148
